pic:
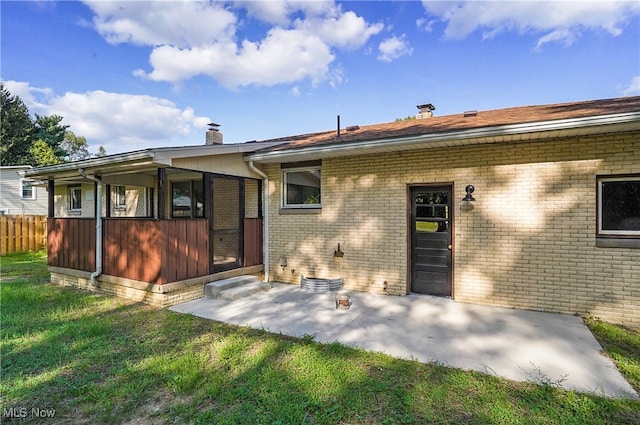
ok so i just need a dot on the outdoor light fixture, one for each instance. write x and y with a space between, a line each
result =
283 261
468 197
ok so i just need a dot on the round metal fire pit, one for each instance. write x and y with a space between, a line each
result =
317 285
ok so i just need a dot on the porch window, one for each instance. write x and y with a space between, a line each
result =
28 191
75 198
302 187
187 199
121 197
619 210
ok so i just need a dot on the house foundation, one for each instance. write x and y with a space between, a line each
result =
164 295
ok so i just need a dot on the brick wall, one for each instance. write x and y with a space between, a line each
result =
529 242
226 218
61 201
251 197
135 195
136 204
136 294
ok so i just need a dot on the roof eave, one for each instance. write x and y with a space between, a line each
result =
51 170
480 135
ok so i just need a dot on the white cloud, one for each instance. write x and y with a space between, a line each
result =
558 21
345 30
271 12
34 98
118 121
394 48
633 89
177 23
281 57
424 24
206 38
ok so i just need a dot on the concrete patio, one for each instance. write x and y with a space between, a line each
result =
515 344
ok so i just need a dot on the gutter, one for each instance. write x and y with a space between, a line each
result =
265 230
98 270
445 137
93 162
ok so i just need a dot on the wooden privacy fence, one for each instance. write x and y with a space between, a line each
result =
22 233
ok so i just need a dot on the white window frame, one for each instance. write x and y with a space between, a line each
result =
613 233
121 198
285 174
70 191
23 183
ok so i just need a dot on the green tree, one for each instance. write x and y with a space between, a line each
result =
76 147
49 130
42 154
16 135
101 152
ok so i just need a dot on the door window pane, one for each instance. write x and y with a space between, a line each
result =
432 211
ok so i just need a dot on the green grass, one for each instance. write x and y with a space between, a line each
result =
98 359
622 345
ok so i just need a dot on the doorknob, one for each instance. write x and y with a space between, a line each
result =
449 247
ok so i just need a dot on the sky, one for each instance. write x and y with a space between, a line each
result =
130 75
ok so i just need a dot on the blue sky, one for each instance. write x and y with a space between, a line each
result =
133 75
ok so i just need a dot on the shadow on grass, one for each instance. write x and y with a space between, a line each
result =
96 359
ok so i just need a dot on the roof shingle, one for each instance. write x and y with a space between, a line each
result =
461 121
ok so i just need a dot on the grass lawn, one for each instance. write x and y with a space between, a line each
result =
85 358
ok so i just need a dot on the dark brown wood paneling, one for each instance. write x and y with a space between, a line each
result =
192 253
252 241
71 243
155 251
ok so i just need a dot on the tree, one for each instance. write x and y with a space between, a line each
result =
101 152
49 130
42 154
39 142
76 147
16 136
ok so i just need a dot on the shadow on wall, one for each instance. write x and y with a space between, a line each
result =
533 240
528 243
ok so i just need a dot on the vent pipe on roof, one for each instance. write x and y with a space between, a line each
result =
425 111
213 136
338 135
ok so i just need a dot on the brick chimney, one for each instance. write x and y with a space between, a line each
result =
213 136
425 111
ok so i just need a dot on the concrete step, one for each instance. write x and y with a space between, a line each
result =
214 289
243 290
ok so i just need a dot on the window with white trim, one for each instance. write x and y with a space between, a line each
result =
619 207
28 191
301 187
75 198
121 197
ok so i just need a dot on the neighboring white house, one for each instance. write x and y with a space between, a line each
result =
19 195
